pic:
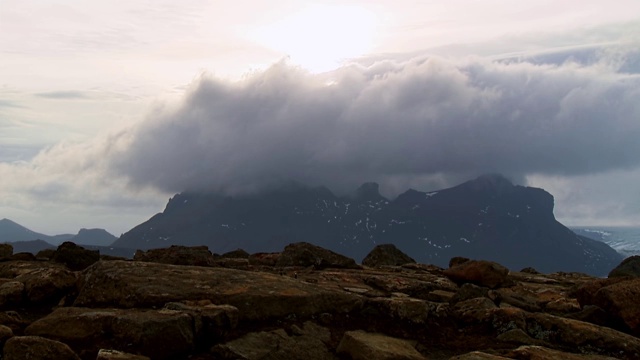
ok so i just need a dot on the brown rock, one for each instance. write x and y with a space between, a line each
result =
258 295
6 250
163 334
478 355
386 254
106 354
561 332
621 301
479 272
23 256
469 291
472 310
5 334
11 293
400 308
177 255
35 347
304 254
586 293
457 260
307 343
541 353
75 257
45 254
264 259
361 345
47 285
238 253
211 322
629 267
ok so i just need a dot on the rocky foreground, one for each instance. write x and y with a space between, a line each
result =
307 303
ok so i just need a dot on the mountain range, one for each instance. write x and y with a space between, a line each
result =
13 232
485 218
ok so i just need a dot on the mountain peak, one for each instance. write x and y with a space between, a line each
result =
490 182
368 191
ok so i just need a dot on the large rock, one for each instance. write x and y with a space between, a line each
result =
177 255
11 293
386 254
628 267
35 347
47 285
258 295
361 345
563 333
6 250
308 342
159 334
304 254
479 272
75 257
621 301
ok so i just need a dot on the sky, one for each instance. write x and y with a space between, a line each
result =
108 108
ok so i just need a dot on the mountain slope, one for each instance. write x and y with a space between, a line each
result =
12 232
488 218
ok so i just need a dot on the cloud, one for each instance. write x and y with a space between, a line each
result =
427 118
62 95
426 123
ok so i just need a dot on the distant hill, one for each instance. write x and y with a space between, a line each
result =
13 232
31 246
485 218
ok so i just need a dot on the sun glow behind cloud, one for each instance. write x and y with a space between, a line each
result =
320 37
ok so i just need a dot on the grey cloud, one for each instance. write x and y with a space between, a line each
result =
425 121
62 95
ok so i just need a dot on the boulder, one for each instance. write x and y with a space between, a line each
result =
23 256
468 291
620 300
257 295
479 272
386 254
238 253
629 267
211 322
35 347
11 293
47 285
264 259
5 334
530 352
361 345
308 342
158 334
6 251
108 354
75 257
45 254
561 333
305 255
177 255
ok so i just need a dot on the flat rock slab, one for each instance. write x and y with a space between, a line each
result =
257 295
361 345
159 334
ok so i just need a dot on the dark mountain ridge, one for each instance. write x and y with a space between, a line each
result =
486 218
12 232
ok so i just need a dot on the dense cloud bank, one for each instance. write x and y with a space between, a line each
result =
425 120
